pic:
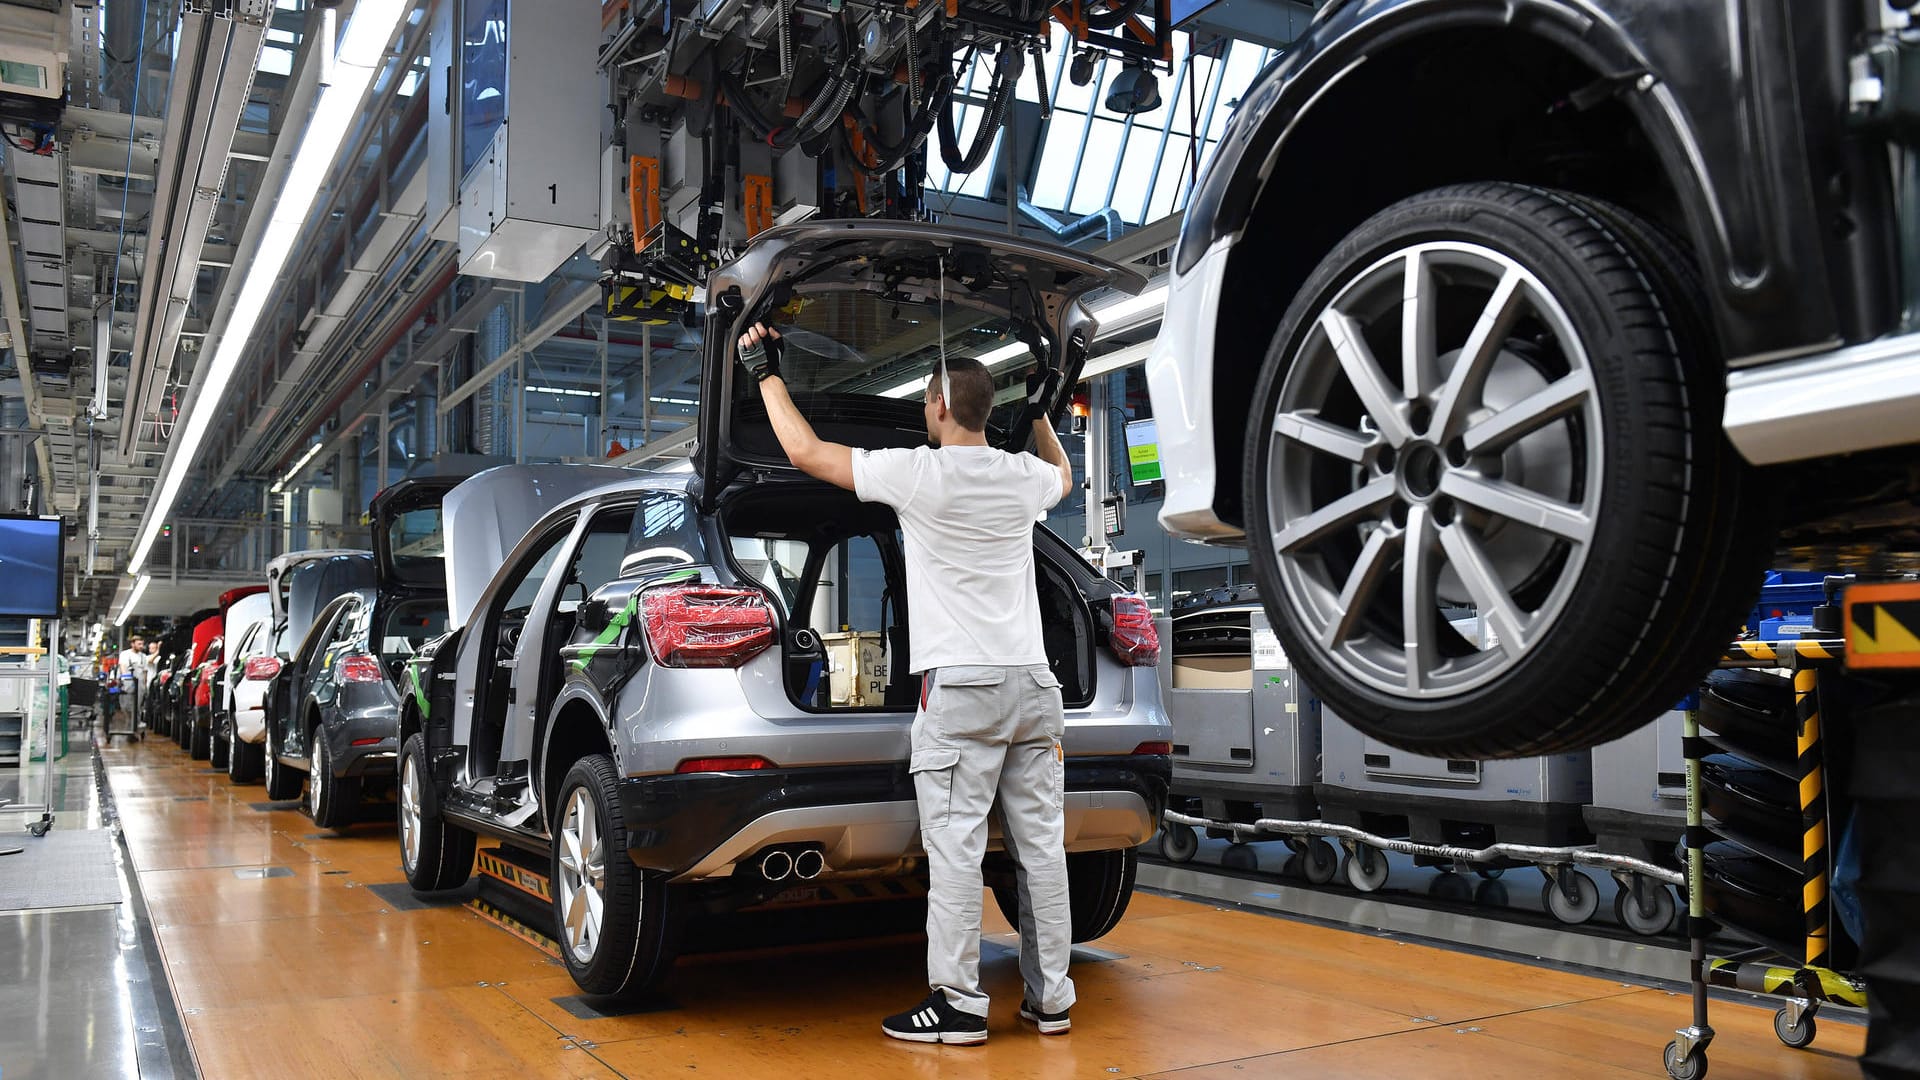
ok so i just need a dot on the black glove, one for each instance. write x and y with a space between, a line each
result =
761 356
1042 386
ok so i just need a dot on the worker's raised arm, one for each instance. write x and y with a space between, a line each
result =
760 354
1042 385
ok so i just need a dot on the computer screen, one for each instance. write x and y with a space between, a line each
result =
1143 451
30 552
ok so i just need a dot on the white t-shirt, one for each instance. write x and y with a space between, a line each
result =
967 513
130 664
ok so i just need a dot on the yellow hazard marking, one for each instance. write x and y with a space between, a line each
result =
1883 626
1810 788
515 927
1814 842
1813 894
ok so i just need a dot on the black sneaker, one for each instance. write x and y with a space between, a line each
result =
1048 1023
935 1020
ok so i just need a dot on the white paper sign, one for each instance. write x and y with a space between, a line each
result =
1267 654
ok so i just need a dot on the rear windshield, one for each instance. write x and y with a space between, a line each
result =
417 546
857 361
409 626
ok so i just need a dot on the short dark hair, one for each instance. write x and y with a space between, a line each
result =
972 386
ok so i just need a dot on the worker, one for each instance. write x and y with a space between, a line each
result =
990 720
133 661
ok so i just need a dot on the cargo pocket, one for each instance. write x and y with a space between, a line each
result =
932 771
966 701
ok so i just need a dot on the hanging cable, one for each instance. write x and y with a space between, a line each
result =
1008 64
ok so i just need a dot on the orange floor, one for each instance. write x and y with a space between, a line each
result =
315 975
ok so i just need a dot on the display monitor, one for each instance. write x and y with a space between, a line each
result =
1143 450
30 556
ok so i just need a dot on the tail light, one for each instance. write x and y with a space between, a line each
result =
1162 749
723 764
262 668
359 667
1134 638
706 626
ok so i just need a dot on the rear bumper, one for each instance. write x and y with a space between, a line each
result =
692 827
378 734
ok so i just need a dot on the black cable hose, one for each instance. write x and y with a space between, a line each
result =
894 155
1115 16
1006 76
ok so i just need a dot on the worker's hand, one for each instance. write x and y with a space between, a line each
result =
760 350
1042 386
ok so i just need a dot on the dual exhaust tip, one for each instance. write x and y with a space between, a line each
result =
780 864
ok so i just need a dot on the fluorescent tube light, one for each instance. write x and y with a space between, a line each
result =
362 52
133 598
1001 355
566 391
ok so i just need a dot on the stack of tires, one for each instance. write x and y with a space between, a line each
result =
1751 793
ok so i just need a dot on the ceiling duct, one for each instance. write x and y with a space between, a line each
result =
218 52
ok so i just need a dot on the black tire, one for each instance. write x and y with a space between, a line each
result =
182 726
201 734
1666 564
222 744
333 801
634 951
445 850
283 783
244 760
1099 888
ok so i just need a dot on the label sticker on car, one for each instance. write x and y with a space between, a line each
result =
1267 653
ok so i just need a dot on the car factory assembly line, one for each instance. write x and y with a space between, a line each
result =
1484 614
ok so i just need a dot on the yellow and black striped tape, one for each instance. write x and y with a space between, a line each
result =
515 927
509 873
1786 982
1813 815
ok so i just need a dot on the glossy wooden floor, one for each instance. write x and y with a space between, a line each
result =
316 974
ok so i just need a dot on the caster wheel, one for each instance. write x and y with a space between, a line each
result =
1239 856
1320 862
1452 888
39 828
1691 1067
1366 869
1646 909
1179 843
1799 1036
1573 899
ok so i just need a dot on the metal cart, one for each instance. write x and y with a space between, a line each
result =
1805 978
1246 740
1639 808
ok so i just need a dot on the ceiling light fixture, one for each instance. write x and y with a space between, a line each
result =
281 484
362 53
139 587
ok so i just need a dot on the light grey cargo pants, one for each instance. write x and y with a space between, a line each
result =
982 733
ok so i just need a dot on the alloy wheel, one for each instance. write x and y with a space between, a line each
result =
1432 509
409 812
583 876
316 771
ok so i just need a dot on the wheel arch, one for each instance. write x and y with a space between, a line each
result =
1411 74
577 729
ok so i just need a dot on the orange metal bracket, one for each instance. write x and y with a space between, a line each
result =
643 196
756 199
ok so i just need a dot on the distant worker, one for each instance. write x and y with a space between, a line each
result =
990 720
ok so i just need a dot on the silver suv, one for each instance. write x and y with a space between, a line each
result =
695 691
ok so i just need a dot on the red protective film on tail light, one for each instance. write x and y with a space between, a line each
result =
262 668
360 668
695 625
1134 638
723 764
1162 749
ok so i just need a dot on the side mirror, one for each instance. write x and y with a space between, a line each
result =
595 616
